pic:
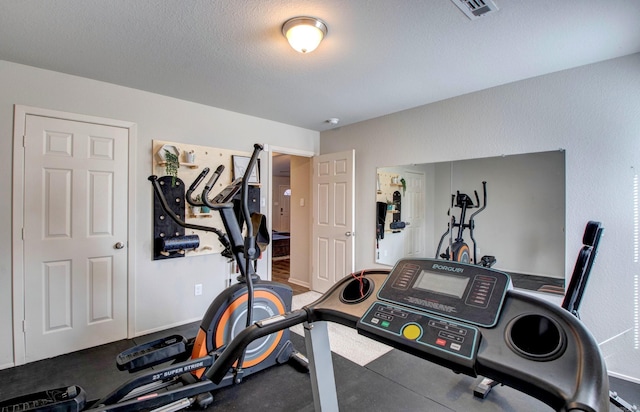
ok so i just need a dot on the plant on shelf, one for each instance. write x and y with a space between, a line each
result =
404 185
171 166
195 210
204 208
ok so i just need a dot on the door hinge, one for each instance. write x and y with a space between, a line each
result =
24 140
22 234
24 325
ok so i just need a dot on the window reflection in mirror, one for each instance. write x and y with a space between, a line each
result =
522 225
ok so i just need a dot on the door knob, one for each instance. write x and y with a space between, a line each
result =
347 234
118 245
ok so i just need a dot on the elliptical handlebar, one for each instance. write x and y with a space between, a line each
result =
244 193
484 203
194 185
250 248
165 206
472 221
212 181
204 197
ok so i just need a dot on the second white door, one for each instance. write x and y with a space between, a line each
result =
334 217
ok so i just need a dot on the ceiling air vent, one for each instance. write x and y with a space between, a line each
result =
476 8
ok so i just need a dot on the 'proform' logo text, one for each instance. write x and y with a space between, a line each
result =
447 268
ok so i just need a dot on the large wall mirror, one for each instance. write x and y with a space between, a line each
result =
522 225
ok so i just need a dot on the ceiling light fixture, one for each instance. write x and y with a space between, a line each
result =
304 33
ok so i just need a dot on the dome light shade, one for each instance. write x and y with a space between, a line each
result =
304 33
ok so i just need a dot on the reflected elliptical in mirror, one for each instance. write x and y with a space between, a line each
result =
523 224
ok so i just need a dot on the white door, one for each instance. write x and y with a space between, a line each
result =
413 211
333 218
75 235
284 205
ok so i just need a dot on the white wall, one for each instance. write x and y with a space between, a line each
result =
593 112
163 289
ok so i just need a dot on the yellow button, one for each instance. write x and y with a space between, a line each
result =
412 332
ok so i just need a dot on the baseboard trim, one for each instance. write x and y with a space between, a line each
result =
165 327
299 282
7 365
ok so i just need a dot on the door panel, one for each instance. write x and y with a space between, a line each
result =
333 213
75 211
57 295
100 275
57 187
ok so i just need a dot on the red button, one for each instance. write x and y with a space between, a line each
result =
441 342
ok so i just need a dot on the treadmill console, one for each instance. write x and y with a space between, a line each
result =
436 307
469 293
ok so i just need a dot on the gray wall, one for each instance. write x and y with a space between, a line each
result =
593 112
163 292
523 224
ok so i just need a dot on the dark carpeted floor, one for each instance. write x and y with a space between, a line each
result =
394 382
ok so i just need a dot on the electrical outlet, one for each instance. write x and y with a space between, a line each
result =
198 289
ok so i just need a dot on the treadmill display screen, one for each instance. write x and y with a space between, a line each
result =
443 284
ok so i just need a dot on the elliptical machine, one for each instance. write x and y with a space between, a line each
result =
458 250
185 382
249 300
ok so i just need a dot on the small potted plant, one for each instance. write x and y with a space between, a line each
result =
172 164
204 208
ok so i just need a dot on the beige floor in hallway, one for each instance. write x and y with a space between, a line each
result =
343 340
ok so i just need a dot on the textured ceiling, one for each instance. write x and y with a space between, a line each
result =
379 57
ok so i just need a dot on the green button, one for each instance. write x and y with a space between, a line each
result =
385 324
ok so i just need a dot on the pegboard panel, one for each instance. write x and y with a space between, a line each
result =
163 227
388 184
203 156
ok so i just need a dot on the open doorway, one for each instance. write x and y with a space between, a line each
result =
290 219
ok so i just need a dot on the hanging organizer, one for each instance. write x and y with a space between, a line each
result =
169 238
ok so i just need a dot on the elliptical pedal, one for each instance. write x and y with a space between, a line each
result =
67 399
152 353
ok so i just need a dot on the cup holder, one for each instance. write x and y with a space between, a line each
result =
535 337
357 290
